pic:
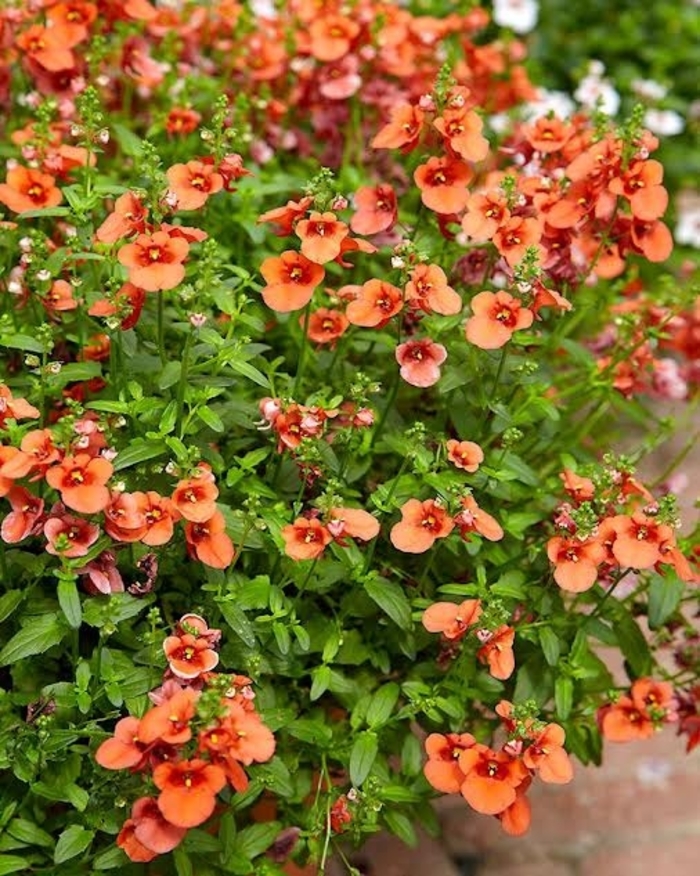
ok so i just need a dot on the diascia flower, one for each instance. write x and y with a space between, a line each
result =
321 235
428 290
154 261
305 539
326 325
496 316
420 525
443 184
291 280
403 131
193 184
466 455
81 481
451 620
576 562
376 209
188 790
27 189
147 833
497 652
420 361
376 303
442 768
491 778
208 542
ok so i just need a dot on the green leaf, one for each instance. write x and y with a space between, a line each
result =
382 705
411 756
29 833
22 342
550 645
139 451
321 678
168 418
170 375
9 602
183 865
13 864
313 731
236 619
245 369
69 600
210 418
563 696
72 842
110 859
400 825
362 757
391 599
45 212
128 141
76 372
256 839
633 645
36 636
664 597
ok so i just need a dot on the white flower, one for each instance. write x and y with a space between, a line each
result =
688 227
519 15
556 102
649 88
666 123
593 92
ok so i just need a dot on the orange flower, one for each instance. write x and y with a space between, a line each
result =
428 290
515 820
73 17
580 489
305 539
154 261
491 778
376 209
132 848
193 183
124 750
326 325
331 36
27 189
514 236
624 721
159 515
291 281
189 656
182 120
638 540
124 517
496 316
207 542
250 740
576 562
548 134
48 46
15 408
443 184
652 239
421 524
375 304
498 652
420 361
23 520
464 454
486 213
472 518
547 756
69 536
461 128
451 620
640 183
353 522
442 768
195 498
403 131
321 236
128 217
81 482
59 297
150 830
37 452
127 304
169 722
284 218
188 790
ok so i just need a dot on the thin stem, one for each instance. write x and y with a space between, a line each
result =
182 385
161 328
393 392
302 351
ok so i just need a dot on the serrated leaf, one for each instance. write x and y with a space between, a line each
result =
69 600
38 635
72 842
391 599
362 757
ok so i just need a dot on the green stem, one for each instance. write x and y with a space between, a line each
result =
393 392
161 328
182 385
302 351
